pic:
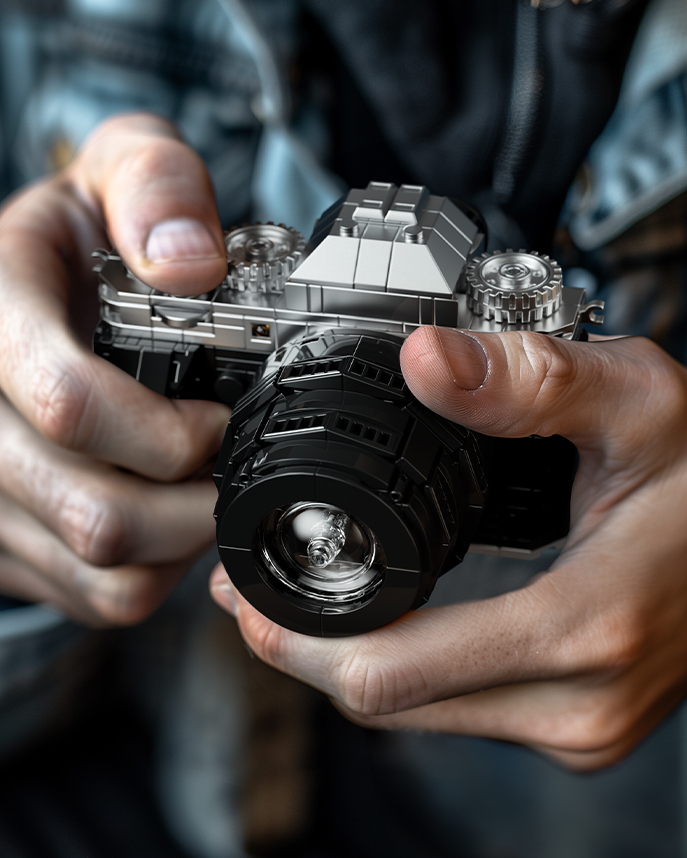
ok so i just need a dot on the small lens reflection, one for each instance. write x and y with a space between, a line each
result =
325 532
321 552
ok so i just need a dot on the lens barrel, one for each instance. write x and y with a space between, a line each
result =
341 498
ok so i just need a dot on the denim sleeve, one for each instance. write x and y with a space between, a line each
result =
63 73
627 214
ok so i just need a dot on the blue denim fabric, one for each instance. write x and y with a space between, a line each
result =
628 213
640 161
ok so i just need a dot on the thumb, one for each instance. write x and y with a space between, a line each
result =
521 383
157 200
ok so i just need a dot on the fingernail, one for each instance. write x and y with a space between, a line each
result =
465 358
180 239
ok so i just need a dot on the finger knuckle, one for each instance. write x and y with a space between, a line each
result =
597 724
182 454
156 157
621 641
123 600
191 440
61 406
609 643
95 528
267 640
552 368
366 687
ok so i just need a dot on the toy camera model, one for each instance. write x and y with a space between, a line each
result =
342 499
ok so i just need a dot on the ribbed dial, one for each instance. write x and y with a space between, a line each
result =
513 286
262 256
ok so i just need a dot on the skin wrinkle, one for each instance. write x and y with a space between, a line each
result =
557 371
375 686
31 481
57 402
18 329
46 234
20 537
672 401
413 684
88 433
626 485
73 501
122 600
26 349
425 359
97 530
564 711
111 136
558 376
77 518
361 685
184 448
401 724
596 502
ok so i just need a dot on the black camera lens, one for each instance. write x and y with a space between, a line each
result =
321 555
341 498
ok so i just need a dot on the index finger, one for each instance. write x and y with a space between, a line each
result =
71 396
157 199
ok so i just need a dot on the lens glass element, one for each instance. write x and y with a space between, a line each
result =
319 552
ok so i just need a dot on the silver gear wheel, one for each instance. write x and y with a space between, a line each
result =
262 256
513 286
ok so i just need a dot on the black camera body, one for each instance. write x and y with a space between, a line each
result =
342 498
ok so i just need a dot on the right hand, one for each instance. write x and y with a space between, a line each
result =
101 508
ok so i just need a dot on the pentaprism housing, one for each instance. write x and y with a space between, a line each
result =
342 499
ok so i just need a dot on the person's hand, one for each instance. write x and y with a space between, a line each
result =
101 505
586 659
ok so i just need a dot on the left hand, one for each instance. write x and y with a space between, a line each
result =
103 503
586 659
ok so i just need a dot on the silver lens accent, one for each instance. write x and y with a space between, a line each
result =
322 554
328 537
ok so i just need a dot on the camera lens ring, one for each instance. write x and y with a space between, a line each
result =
343 583
333 422
398 591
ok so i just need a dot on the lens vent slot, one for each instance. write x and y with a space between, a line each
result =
376 375
364 433
307 423
310 369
